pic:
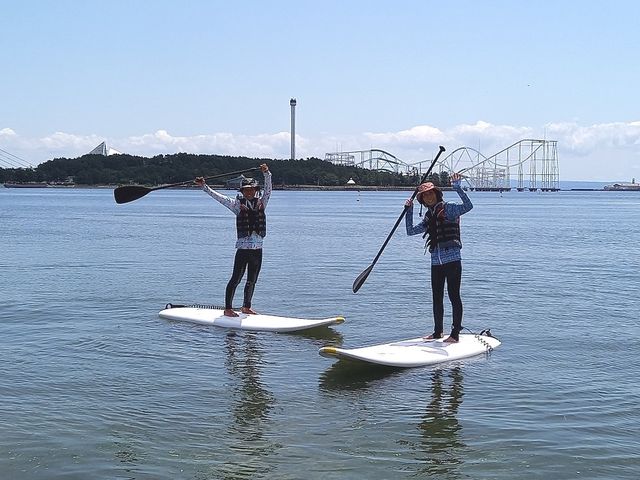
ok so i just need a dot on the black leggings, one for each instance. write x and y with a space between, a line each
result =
244 258
452 273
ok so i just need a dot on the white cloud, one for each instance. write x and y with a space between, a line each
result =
498 136
61 142
263 145
584 140
7 132
419 135
581 148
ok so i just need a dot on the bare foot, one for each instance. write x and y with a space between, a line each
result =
433 336
230 313
450 340
248 311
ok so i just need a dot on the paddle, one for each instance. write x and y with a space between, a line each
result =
363 276
129 193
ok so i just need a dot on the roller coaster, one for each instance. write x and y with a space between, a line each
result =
525 165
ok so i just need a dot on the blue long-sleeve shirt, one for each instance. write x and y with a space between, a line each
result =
253 241
452 211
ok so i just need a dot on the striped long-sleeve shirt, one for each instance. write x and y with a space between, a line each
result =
449 254
253 241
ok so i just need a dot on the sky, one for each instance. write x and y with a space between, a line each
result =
215 77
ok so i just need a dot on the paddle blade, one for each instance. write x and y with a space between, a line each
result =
129 193
361 278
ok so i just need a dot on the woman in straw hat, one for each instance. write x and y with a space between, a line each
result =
441 226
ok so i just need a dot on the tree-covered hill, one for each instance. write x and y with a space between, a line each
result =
164 169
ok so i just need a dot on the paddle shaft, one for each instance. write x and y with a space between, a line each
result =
129 193
404 211
363 276
188 182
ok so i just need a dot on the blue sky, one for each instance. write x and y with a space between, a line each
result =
164 76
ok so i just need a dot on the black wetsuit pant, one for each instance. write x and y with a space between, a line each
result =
246 259
452 274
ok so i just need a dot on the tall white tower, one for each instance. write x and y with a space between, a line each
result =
293 102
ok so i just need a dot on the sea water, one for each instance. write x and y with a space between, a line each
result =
95 385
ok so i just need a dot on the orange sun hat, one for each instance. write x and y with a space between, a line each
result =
426 187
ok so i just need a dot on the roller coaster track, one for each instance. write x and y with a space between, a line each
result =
528 164
374 159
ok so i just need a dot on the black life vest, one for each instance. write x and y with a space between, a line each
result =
442 232
251 218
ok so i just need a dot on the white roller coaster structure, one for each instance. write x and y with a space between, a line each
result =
526 165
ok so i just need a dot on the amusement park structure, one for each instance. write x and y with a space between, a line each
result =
526 165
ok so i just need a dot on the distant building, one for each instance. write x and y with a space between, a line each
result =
633 186
351 182
103 150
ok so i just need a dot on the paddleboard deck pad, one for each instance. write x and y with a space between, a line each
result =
416 352
212 315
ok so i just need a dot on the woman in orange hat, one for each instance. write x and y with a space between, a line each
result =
441 224
251 226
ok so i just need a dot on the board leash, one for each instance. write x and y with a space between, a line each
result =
486 332
195 305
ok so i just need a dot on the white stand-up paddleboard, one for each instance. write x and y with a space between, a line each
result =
209 315
416 352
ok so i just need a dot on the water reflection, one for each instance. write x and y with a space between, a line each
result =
321 336
125 453
246 441
440 429
438 448
353 375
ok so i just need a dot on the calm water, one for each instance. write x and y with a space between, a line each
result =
95 385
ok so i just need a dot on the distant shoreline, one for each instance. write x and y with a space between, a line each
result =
331 188
367 188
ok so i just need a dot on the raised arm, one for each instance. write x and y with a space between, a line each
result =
454 210
408 220
267 184
231 203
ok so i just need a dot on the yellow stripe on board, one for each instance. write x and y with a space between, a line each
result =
329 350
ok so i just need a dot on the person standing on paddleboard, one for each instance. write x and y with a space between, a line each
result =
441 224
251 226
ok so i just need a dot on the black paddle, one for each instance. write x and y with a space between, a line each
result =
363 276
129 193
